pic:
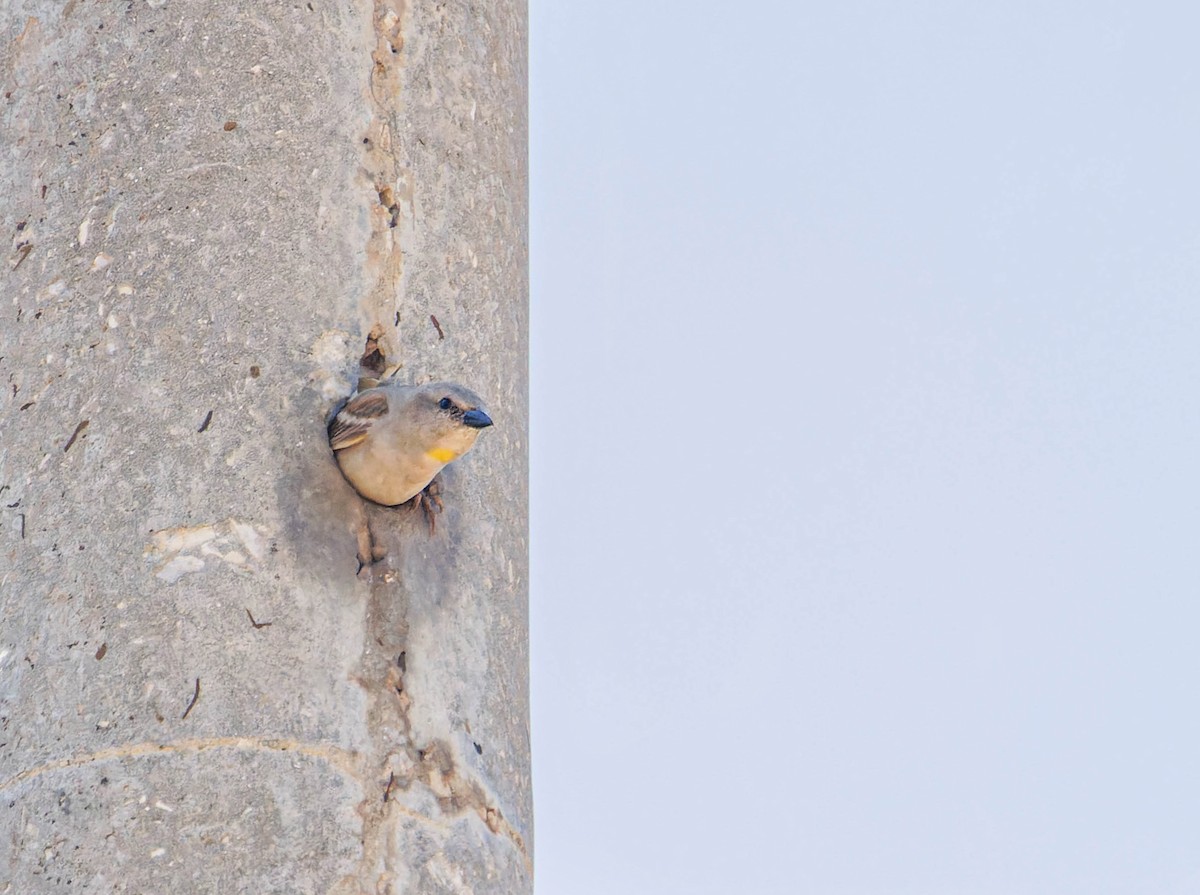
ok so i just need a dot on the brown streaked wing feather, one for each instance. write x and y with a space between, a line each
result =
354 420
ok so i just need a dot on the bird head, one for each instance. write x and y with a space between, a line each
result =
451 416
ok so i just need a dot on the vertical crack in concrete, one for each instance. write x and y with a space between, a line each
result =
383 661
385 260
386 630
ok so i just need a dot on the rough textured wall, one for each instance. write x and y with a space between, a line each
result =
209 206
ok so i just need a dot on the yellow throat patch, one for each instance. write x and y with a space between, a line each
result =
442 455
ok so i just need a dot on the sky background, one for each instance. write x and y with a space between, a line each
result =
866 344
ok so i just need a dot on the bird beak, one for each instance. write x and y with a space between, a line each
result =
476 419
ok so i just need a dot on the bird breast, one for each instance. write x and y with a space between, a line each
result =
385 477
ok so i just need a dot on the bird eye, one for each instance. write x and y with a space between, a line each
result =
445 403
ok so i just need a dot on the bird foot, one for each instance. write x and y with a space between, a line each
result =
369 550
430 502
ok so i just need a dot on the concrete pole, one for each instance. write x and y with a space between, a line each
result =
210 207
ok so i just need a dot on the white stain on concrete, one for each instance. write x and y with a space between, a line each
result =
188 549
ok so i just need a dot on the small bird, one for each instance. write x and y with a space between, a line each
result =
392 440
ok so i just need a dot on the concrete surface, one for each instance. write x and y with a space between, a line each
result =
209 207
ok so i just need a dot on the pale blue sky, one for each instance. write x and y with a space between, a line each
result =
866 344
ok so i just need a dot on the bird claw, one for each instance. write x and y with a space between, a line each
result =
370 551
430 502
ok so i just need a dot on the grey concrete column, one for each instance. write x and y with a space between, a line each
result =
209 208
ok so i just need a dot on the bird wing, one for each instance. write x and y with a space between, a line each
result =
354 421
